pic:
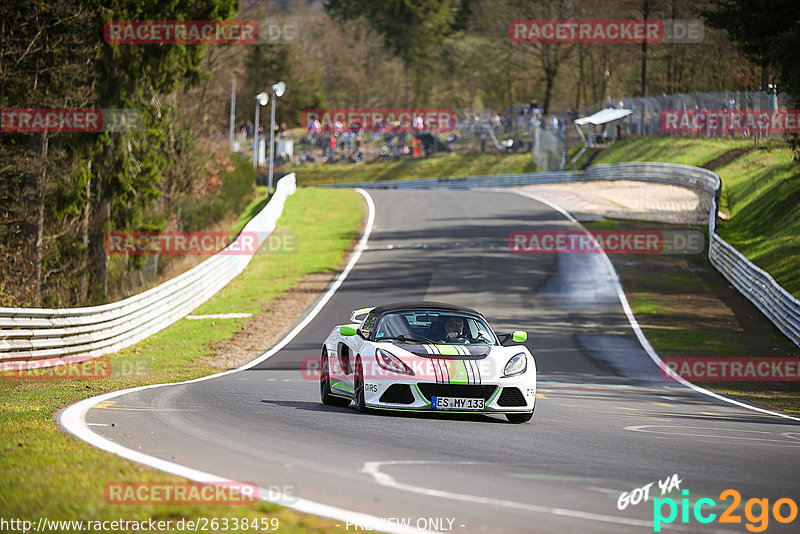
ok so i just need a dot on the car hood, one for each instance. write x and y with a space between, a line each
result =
444 351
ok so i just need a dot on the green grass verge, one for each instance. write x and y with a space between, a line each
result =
756 393
759 204
686 151
48 473
688 310
760 195
473 164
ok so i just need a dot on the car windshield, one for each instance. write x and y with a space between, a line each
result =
435 327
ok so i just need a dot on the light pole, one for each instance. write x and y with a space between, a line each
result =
277 91
261 100
233 110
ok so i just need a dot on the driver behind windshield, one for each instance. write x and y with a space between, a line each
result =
454 329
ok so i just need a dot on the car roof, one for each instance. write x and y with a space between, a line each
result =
423 305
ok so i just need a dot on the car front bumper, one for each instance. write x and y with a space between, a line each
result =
508 395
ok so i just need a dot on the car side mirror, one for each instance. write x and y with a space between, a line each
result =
347 330
518 336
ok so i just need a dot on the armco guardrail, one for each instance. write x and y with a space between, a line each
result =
668 173
54 336
759 287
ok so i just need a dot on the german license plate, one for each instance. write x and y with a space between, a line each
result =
457 403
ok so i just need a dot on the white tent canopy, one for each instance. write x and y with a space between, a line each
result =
604 116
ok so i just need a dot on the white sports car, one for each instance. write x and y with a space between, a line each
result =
427 356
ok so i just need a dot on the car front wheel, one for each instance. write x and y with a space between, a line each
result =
325 384
361 403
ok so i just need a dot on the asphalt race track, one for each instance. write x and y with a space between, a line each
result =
605 421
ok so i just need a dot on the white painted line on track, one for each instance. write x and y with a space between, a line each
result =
73 419
374 469
360 247
668 429
637 329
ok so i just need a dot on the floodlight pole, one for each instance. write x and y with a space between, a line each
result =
261 100
233 110
277 91
271 141
255 137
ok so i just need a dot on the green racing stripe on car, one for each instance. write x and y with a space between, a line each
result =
421 396
340 385
457 370
496 392
447 350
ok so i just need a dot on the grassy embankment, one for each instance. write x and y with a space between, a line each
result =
760 194
686 308
474 164
48 473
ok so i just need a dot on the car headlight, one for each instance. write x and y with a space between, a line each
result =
392 363
517 365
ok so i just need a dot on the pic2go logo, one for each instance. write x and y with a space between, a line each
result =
757 521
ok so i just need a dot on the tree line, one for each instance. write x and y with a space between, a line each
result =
60 193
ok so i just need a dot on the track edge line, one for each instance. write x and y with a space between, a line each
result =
72 418
643 341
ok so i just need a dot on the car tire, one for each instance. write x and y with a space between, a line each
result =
358 388
325 384
519 417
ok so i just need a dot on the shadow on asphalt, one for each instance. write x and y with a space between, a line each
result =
319 407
